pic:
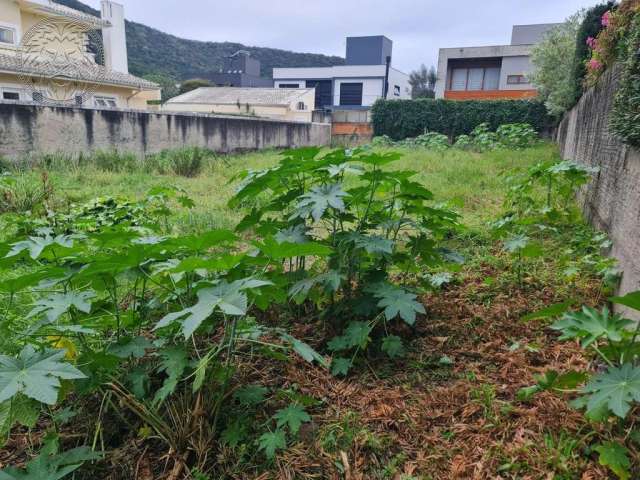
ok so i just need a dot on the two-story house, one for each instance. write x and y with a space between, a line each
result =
52 54
493 72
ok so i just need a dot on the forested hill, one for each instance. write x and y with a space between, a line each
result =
152 51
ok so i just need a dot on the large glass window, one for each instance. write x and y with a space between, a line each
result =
475 79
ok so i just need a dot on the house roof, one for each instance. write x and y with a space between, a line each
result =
233 95
47 7
89 72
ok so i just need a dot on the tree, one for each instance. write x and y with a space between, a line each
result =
553 73
423 82
168 84
189 85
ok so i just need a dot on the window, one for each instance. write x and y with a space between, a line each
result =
37 97
301 106
79 100
109 102
8 35
475 79
396 90
517 79
289 85
8 95
351 94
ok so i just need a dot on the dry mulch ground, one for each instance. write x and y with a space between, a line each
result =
425 416
459 422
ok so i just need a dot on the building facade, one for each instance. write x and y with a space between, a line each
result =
280 104
490 73
51 54
367 76
240 70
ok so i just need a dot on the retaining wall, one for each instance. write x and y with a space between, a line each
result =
27 128
612 201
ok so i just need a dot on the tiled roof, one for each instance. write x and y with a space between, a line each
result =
86 72
47 6
233 95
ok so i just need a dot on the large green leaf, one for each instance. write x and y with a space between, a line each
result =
372 244
590 325
57 304
174 361
35 246
616 457
319 200
229 298
51 466
392 345
271 442
35 374
293 417
397 302
631 300
616 389
549 312
516 244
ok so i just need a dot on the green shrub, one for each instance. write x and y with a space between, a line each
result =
553 73
516 136
114 161
624 118
400 119
21 193
185 162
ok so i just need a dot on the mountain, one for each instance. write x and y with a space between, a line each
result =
154 52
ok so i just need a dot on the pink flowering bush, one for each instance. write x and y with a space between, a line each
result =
606 19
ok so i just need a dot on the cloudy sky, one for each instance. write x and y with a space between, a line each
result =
417 27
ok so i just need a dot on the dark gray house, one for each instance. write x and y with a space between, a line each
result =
240 70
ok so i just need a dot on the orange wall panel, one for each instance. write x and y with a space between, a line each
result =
491 95
352 129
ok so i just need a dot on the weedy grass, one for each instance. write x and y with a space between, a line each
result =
186 336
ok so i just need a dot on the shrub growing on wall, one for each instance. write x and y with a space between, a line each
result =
589 29
400 119
626 110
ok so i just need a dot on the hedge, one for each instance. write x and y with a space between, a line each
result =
400 119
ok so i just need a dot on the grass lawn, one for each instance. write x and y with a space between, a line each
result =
471 183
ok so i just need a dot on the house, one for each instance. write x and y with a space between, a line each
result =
239 70
280 104
366 76
496 72
52 54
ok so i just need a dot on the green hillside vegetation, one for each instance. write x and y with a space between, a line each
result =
153 52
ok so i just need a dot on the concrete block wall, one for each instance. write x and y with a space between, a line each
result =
612 201
27 128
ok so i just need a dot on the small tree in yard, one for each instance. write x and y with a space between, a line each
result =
189 85
423 82
553 73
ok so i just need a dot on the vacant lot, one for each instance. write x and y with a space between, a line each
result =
438 400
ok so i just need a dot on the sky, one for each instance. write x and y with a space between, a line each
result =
418 28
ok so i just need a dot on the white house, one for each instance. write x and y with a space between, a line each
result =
367 76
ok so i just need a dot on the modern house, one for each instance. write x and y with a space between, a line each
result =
280 104
495 72
367 76
240 70
51 54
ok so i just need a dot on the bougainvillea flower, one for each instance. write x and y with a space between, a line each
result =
606 19
592 42
594 64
